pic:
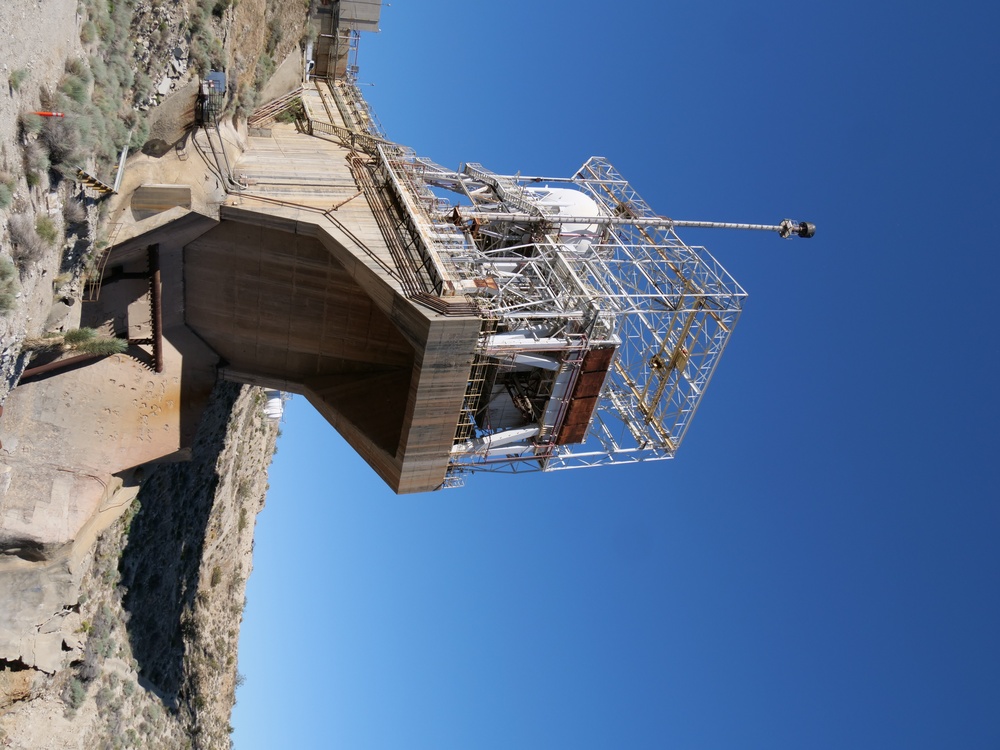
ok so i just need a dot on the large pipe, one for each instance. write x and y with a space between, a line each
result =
785 228
59 364
496 440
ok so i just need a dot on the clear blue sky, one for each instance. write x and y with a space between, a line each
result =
819 567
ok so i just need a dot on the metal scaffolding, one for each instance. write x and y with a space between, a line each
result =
601 327
619 278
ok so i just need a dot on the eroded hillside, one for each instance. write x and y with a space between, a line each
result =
159 609
133 639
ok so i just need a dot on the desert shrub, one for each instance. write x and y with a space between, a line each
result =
88 32
220 7
103 346
36 160
153 713
140 134
74 87
90 669
97 93
100 645
199 56
105 696
79 335
275 34
246 101
104 27
292 113
87 341
46 229
8 284
99 70
78 67
74 211
87 127
205 51
76 693
120 65
200 18
16 78
49 342
264 71
6 195
143 87
216 576
64 139
31 123
21 228
28 246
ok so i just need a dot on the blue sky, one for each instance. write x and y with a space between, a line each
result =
819 566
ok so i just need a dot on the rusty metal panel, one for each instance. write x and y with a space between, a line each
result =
593 371
598 360
578 417
580 411
589 384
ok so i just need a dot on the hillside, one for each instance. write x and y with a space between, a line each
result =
134 636
160 604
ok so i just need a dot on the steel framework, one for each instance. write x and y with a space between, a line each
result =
629 282
622 279
552 284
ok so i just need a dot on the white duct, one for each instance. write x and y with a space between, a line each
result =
496 440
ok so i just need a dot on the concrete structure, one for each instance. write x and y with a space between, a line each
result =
289 302
517 328
520 328
293 286
360 15
338 23
526 324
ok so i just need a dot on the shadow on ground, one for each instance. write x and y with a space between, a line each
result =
160 564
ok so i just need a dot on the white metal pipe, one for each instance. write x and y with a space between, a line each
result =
642 221
508 342
497 439
537 360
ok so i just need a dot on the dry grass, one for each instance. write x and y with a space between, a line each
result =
8 284
28 246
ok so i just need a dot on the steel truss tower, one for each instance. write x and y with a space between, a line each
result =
601 328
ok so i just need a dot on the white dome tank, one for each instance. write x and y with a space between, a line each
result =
569 202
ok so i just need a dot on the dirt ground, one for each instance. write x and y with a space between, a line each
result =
37 36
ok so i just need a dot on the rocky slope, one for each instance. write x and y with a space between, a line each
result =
141 649
159 609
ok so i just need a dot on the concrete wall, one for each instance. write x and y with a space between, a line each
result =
362 15
294 308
